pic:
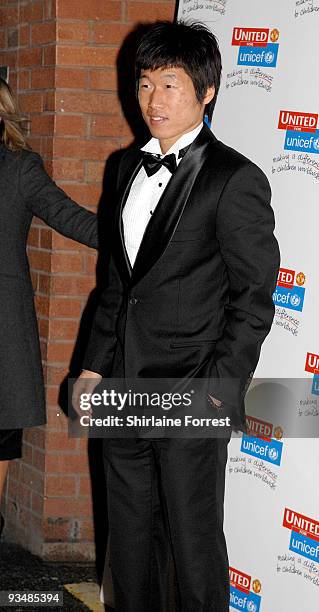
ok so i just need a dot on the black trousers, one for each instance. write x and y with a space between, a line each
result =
167 495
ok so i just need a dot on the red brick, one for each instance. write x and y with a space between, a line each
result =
13 487
35 436
31 102
2 39
49 100
32 11
45 149
24 35
38 459
42 33
84 194
58 352
86 530
30 476
43 124
63 330
71 78
26 452
15 468
24 496
87 102
35 143
43 349
42 305
34 237
65 307
110 126
57 420
67 507
70 125
13 37
85 485
75 148
42 78
52 393
74 30
94 171
49 9
94 9
37 504
39 260
66 263
57 486
149 11
34 280
103 79
49 55
60 441
70 464
24 77
69 147
55 375
9 16
110 33
86 56
46 238
11 60
30 57
56 530
90 263
61 243
43 325
68 169
72 285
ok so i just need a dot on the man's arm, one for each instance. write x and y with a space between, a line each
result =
245 224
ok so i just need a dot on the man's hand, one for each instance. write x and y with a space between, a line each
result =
86 383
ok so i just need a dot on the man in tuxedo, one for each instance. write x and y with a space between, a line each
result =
193 265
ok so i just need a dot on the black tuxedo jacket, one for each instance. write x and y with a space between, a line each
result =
198 301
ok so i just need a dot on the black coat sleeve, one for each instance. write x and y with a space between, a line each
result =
245 225
51 204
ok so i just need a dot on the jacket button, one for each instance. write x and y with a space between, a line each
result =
133 300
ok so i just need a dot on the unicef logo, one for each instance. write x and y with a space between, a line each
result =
295 300
273 454
251 606
316 144
269 57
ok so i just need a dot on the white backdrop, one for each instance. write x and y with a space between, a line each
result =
272 489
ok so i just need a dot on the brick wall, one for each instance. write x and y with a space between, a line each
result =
62 56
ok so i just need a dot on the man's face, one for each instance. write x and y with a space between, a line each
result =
169 105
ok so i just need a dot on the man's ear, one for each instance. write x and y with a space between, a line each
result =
209 95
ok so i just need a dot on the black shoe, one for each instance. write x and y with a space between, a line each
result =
1 524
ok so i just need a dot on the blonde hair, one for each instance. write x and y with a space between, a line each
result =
13 125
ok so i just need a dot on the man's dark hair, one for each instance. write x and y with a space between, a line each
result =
192 47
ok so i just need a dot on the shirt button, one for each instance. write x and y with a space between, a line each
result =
160 184
133 300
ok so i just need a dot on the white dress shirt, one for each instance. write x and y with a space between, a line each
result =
146 192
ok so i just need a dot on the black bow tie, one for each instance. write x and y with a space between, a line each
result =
152 163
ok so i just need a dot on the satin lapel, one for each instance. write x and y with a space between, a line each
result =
126 181
169 209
